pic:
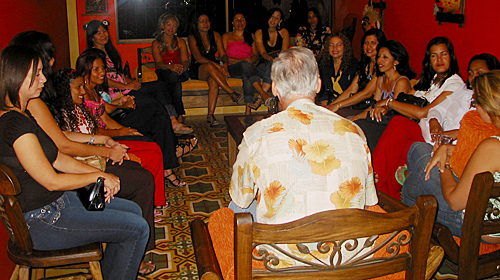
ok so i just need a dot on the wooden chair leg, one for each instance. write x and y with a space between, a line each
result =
39 273
24 273
95 270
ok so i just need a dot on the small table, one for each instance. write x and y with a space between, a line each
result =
236 125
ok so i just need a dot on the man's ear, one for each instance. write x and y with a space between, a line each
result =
319 85
273 89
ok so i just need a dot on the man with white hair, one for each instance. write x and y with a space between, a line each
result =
305 159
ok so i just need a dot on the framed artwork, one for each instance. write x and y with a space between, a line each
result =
96 6
450 11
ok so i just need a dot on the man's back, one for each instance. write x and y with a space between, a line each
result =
302 161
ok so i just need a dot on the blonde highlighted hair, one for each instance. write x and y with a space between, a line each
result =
487 92
159 33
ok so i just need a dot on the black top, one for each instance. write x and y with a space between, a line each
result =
12 126
277 47
345 80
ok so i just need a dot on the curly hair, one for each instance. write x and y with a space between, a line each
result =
428 72
65 114
159 33
325 58
399 53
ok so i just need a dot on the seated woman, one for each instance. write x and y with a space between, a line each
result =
270 43
90 64
337 66
204 43
47 195
71 115
242 54
362 88
137 184
172 63
312 36
439 178
439 80
125 92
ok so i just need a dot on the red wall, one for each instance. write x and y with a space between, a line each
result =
41 15
47 16
414 25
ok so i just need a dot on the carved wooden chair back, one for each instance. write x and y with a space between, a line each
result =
412 226
20 247
483 201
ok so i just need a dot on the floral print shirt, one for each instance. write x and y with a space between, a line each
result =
305 39
301 161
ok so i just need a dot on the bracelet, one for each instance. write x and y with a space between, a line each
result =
387 102
447 166
92 139
340 106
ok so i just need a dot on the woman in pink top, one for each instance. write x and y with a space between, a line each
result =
242 53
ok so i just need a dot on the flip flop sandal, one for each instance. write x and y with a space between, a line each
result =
175 182
400 174
147 269
182 129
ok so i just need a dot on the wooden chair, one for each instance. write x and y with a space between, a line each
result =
20 247
471 265
348 224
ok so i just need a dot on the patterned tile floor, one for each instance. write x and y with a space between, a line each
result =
207 174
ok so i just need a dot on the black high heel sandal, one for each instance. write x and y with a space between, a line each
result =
256 103
211 120
176 182
236 97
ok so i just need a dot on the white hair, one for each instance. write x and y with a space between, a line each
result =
295 73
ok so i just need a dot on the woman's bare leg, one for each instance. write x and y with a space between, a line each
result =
266 87
209 70
213 94
260 89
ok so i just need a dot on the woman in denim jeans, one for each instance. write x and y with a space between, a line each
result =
431 173
54 215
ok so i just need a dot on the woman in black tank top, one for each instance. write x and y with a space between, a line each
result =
270 43
204 43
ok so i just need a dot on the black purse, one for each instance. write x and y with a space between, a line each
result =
120 113
92 196
412 99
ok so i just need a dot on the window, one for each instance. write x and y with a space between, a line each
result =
137 20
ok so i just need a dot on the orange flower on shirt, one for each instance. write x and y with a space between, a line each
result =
339 201
320 156
350 189
304 118
297 145
271 195
343 126
276 127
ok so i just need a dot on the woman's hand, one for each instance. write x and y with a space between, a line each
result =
125 131
225 71
361 115
111 185
334 107
440 158
381 103
133 85
118 154
377 113
177 68
126 101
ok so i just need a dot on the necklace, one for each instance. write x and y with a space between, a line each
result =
95 96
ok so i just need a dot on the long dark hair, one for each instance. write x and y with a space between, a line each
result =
320 23
490 60
265 26
42 44
400 54
66 116
247 36
85 63
196 33
364 64
325 57
91 29
425 81
15 63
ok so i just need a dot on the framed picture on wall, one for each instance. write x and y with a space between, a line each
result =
96 6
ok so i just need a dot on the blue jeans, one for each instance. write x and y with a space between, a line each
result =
264 71
415 185
65 223
252 209
248 73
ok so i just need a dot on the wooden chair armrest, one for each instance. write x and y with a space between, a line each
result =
442 235
388 203
208 266
434 259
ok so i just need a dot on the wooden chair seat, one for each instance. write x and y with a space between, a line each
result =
475 260
20 246
208 264
42 259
